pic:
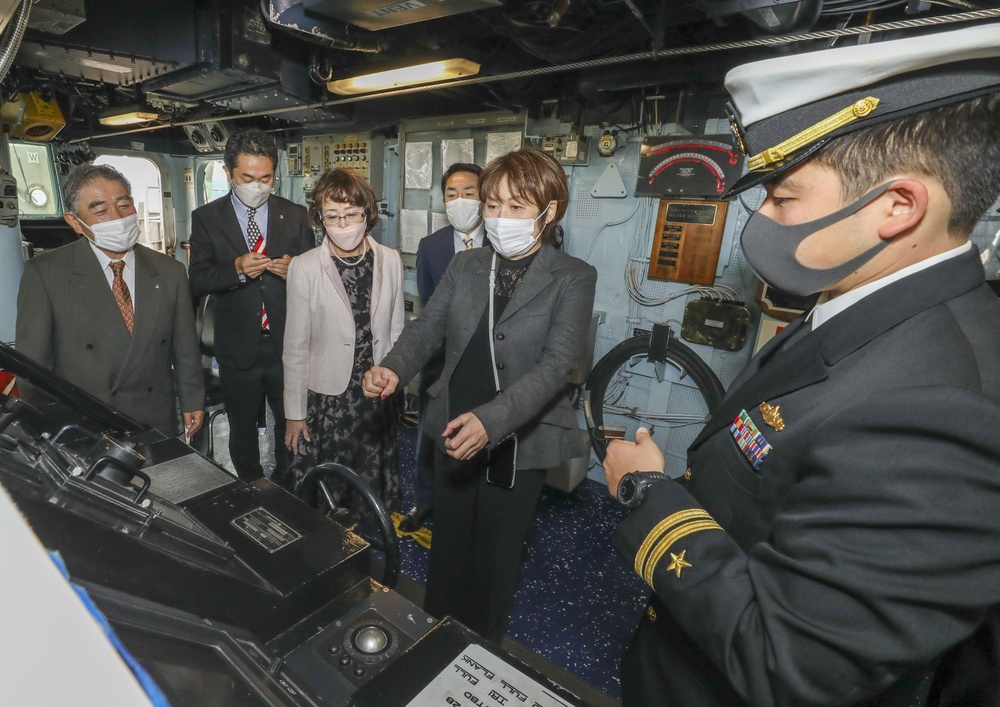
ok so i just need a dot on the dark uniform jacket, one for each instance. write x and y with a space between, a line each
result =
859 562
538 339
434 252
216 242
69 321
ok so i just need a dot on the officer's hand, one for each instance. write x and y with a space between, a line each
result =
251 264
625 457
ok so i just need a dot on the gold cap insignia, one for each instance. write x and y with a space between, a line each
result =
772 157
772 416
678 563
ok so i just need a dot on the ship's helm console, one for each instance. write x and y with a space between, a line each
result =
229 593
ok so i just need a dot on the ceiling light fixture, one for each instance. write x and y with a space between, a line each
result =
128 115
406 76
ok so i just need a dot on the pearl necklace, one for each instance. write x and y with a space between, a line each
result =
351 263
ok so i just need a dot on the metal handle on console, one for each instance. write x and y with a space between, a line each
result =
111 461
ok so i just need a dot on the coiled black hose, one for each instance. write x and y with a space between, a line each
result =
677 354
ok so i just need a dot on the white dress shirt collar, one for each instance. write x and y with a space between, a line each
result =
478 236
826 309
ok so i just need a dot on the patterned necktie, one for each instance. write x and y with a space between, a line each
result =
120 289
256 243
469 241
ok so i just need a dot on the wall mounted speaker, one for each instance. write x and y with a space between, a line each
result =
217 135
198 135
29 116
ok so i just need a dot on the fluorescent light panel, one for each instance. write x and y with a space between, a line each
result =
406 76
127 117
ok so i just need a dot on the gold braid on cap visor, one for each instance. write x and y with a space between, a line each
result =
774 156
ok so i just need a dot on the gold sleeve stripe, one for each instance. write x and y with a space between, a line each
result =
662 527
671 538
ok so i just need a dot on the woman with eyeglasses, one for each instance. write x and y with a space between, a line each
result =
345 311
514 319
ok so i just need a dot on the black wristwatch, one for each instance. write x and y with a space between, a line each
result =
632 487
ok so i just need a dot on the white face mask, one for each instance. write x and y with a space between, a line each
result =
253 194
347 238
512 237
115 236
463 214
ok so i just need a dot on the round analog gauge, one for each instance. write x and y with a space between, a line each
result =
38 196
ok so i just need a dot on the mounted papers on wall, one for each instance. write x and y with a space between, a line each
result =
412 227
418 165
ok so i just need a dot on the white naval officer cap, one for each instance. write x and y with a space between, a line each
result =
785 109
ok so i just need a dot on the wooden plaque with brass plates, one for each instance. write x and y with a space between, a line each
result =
687 240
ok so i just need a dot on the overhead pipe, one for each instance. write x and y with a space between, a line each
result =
662 74
12 37
290 16
11 249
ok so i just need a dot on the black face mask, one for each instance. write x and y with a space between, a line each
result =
770 248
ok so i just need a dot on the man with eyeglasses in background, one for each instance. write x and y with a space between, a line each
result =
241 245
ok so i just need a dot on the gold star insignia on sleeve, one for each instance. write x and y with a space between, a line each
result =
678 563
665 535
772 416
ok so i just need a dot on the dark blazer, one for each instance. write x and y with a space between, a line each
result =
860 563
538 341
434 252
69 321
216 242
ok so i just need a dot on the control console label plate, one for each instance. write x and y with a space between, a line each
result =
261 526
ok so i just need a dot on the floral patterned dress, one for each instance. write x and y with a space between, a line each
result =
349 428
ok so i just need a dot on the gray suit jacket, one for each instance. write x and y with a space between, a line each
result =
69 322
538 341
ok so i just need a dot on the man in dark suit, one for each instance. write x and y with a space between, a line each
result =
241 245
460 187
110 316
836 538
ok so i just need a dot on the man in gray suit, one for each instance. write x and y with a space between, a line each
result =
109 316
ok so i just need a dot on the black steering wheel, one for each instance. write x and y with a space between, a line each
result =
316 479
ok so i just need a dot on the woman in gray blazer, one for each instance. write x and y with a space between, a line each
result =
345 310
513 321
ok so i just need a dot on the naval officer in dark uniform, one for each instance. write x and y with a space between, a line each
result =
836 539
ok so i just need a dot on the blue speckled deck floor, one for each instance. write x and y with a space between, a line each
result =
577 600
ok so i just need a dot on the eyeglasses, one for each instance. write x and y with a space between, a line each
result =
354 217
